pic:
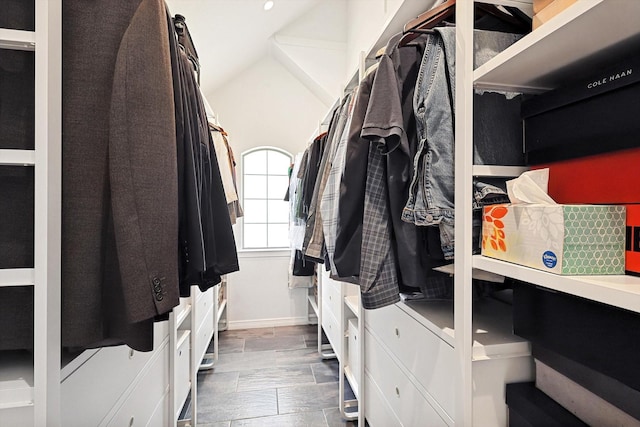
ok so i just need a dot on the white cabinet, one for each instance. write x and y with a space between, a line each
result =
193 326
585 36
30 384
339 311
410 359
107 385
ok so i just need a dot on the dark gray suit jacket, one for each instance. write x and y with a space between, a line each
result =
120 214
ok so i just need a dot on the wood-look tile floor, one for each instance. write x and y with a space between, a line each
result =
270 377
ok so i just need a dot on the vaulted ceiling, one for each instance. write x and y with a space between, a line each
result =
230 35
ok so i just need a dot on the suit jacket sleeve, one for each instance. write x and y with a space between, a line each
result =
143 166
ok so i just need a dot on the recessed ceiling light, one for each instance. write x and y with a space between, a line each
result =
268 5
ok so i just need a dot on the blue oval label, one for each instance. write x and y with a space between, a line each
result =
549 259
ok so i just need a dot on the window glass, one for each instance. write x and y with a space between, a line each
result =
255 163
255 235
265 178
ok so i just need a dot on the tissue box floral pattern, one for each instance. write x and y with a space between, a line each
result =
563 239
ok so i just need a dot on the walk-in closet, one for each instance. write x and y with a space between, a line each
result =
325 213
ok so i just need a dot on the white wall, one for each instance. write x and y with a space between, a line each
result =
265 105
259 295
366 18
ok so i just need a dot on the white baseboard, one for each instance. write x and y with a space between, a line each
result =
268 323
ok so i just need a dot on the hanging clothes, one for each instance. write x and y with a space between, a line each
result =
207 245
330 198
313 246
119 182
347 254
390 125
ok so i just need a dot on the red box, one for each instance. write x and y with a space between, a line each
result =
632 252
609 178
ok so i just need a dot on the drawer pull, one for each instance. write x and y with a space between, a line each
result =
397 392
397 332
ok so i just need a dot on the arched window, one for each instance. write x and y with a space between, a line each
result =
265 179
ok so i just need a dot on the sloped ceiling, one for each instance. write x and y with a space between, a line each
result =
230 35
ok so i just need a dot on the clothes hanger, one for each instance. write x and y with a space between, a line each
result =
426 21
507 15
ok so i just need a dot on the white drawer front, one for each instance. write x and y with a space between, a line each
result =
181 374
107 374
377 410
421 352
204 303
21 416
204 335
331 328
141 404
331 296
354 350
160 417
403 397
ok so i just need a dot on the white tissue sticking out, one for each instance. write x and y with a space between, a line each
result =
530 187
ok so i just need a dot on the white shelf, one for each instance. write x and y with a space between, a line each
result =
17 277
182 315
499 171
313 303
492 326
17 39
618 291
17 157
475 273
352 382
16 379
583 36
353 302
221 308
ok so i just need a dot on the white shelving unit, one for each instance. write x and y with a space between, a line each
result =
30 388
339 304
580 38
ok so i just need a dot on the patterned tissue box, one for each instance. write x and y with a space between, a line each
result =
561 239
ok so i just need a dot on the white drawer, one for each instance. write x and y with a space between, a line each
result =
331 296
354 353
140 405
409 405
21 416
420 351
181 366
107 374
204 303
160 417
203 336
378 413
332 330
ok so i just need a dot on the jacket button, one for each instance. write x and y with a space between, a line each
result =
156 281
159 297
